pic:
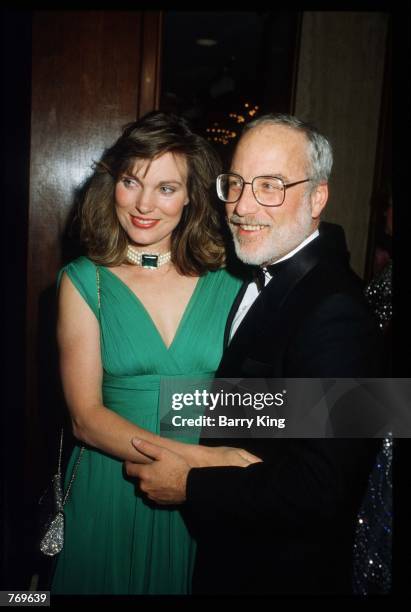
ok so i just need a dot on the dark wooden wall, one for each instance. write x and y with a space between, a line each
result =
15 141
91 73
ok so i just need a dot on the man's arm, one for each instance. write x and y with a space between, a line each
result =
312 480
164 479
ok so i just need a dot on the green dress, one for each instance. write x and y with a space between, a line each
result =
117 542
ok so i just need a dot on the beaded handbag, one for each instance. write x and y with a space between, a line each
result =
51 507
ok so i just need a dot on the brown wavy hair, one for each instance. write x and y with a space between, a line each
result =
196 244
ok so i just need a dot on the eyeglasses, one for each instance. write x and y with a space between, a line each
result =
267 190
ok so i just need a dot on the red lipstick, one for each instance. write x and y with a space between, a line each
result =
144 223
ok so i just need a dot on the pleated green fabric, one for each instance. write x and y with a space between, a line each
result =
116 542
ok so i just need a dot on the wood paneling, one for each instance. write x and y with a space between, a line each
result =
84 88
16 76
150 83
89 78
339 88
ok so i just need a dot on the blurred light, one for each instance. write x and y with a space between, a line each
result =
206 42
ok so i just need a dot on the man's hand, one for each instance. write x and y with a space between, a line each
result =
164 480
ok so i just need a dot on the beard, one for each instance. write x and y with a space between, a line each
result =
277 241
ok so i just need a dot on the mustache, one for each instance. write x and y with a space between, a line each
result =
237 220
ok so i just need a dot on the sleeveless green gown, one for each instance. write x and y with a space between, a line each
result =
116 542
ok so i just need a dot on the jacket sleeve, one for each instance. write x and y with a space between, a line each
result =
314 479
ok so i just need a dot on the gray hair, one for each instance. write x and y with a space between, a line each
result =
320 154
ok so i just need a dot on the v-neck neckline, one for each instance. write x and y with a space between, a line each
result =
184 316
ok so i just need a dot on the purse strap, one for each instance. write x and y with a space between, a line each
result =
74 473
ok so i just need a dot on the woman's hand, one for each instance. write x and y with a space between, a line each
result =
198 455
212 456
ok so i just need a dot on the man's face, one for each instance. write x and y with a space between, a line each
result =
264 234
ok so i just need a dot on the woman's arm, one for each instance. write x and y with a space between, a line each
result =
81 370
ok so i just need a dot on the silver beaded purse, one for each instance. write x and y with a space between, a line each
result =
52 509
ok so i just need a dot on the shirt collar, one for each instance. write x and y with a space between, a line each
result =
267 274
294 251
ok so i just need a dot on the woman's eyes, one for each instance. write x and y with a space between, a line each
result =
129 182
163 189
166 189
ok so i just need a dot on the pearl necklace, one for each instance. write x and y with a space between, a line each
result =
151 261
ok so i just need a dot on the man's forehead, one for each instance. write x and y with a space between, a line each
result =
266 144
275 134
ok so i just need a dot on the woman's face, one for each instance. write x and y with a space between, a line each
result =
150 200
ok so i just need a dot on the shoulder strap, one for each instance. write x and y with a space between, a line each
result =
82 273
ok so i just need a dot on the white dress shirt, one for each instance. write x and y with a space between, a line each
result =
252 290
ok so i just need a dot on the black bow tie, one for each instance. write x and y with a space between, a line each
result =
259 276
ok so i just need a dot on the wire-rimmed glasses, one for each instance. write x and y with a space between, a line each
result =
267 190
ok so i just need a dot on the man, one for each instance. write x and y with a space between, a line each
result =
283 525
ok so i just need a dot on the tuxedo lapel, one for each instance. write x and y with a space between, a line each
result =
233 310
287 276
265 311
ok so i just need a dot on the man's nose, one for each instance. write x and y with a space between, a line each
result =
247 204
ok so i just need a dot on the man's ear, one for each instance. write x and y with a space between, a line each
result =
318 199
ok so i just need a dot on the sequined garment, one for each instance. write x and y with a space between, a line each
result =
373 538
379 295
372 568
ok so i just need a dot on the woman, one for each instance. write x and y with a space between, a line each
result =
150 300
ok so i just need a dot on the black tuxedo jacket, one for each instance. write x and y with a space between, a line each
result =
286 525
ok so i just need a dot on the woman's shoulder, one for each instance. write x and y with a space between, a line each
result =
82 273
80 265
80 270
